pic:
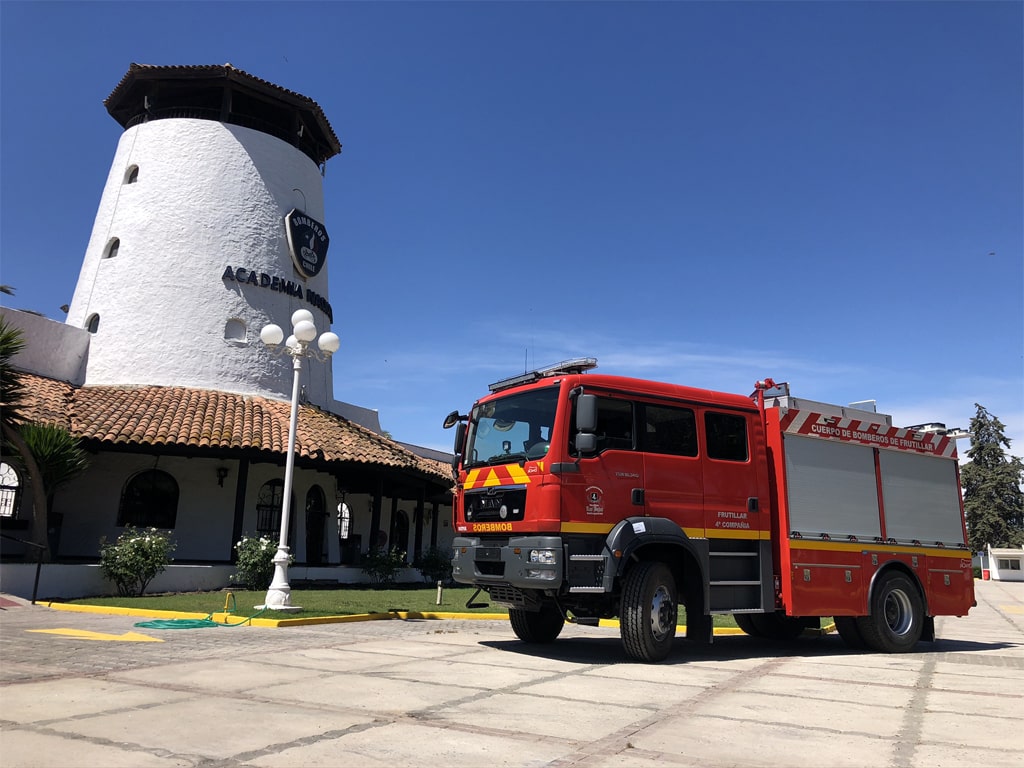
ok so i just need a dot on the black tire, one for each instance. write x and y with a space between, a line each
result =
649 611
541 626
745 622
847 628
897 615
778 626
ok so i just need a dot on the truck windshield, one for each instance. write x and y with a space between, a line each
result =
512 428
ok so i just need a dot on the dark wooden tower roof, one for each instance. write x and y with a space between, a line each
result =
223 93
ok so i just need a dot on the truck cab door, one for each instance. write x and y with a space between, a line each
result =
609 482
673 483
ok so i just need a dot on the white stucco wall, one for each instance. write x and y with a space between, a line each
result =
205 517
208 197
52 349
1006 556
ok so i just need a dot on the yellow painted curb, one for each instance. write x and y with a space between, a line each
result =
231 619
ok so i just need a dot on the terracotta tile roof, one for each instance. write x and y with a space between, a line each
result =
46 401
183 417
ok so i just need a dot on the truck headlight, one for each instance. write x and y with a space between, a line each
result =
543 556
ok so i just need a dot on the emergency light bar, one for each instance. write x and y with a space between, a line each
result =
576 365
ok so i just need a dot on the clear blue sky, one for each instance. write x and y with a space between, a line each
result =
707 193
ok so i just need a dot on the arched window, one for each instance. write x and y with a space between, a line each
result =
10 490
149 500
131 175
269 503
268 507
93 323
344 521
112 248
234 330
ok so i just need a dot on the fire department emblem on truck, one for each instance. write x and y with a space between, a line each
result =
307 242
595 501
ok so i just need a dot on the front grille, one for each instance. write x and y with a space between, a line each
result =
498 503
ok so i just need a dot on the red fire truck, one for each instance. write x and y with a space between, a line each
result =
583 496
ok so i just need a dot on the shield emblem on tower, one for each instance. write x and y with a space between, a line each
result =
307 242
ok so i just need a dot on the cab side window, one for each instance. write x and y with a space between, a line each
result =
669 430
726 436
614 425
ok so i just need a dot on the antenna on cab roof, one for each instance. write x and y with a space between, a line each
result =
576 365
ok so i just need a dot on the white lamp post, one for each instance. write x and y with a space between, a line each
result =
297 346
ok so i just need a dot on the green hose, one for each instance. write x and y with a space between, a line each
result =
193 623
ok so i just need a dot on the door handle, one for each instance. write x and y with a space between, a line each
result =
637 496
752 504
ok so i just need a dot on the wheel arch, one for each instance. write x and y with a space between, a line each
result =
897 566
657 538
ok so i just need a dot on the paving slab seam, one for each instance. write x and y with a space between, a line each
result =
243 758
481 695
904 747
100 741
617 742
484 730
969 659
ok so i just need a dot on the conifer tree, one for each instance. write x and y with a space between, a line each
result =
993 499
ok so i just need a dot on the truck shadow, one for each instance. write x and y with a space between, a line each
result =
608 650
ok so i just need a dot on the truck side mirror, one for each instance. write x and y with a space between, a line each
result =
586 424
586 413
460 438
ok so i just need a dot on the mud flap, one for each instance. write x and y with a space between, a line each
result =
700 629
928 630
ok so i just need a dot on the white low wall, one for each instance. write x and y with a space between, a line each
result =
59 581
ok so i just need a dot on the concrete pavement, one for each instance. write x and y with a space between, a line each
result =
84 690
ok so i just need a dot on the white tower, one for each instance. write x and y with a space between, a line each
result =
191 254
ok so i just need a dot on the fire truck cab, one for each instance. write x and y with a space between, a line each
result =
584 497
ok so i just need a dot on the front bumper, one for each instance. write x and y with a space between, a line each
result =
526 562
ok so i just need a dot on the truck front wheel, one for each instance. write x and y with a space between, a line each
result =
897 616
541 626
650 608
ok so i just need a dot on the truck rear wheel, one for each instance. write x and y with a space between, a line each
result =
650 608
897 616
541 626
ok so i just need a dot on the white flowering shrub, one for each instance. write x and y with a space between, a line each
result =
254 568
135 559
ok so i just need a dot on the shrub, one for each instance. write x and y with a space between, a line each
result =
135 559
254 567
382 566
435 565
